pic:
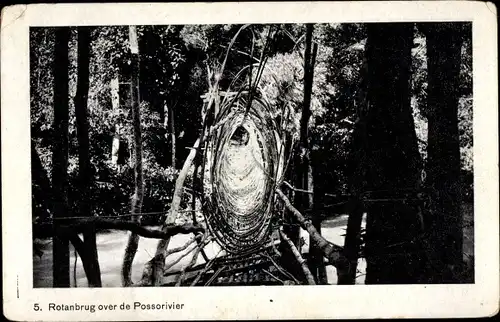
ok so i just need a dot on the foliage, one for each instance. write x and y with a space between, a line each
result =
41 97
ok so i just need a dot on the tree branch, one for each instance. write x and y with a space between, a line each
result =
331 251
204 241
79 225
153 270
300 259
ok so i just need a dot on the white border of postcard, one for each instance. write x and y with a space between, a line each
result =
359 301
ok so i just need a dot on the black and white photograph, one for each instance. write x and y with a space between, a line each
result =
250 154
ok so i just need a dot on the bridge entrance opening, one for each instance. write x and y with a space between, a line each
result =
240 136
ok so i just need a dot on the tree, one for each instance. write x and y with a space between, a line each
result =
85 173
444 220
171 122
316 263
392 248
60 155
114 87
137 197
357 150
300 169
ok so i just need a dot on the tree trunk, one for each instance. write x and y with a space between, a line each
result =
305 201
301 159
315 261
444 221
316 264
197 184
114 86
392 247
357 175
163 113
133 240
301 163
60 154
85 173
352 243
171 117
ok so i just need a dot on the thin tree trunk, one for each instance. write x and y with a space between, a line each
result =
60 154
301 161
163 113
114 86
392 249
197 185
133 240
444 222
171 117
352 243
302 153
316 263
85 173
